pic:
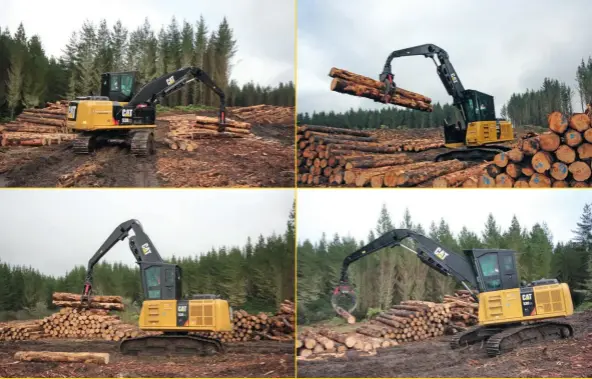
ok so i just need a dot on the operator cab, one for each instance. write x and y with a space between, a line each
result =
495 269
119 86
162 281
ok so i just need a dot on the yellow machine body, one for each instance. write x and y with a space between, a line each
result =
485 132
97 115
525 304
211 315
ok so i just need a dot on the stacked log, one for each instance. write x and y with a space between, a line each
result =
88 324
262 326
38 127
336 156
185 129
560 157
358 85
21 330
264 114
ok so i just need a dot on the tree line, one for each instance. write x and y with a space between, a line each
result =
29 78
257 276
528 108
395 274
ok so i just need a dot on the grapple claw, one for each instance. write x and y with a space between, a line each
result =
344 290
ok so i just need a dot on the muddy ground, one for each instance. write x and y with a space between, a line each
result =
265 160
249 359
433 358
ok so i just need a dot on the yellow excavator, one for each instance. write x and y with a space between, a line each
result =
476 135
123 116
511 313
164 309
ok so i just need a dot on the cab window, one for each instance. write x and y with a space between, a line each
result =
127 82
115 83
490 270
508 264
153 282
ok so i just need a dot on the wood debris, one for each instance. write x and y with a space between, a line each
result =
185 130
409 321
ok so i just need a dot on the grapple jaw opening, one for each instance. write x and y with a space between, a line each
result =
344 296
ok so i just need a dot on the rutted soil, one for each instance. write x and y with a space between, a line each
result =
433 358
265 160
249 359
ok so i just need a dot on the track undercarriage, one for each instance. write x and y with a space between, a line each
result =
139 141
476 154
502 339
171 344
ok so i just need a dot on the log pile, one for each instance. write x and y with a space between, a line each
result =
247 327
21 330
38 127
358 85
185 129
336 156
264 114
560 157
409 321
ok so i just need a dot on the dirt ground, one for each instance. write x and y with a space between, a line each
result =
570 358
249 359
265 160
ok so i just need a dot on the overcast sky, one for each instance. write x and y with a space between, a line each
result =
497 47
54 230
356 212
264 29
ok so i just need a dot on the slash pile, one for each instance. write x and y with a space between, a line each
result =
358 85
38 127
264 114
184 129
411 320
559 157
337 156
246 327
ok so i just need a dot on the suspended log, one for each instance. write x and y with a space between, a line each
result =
65 296
76 304
363 80
345 315
350 88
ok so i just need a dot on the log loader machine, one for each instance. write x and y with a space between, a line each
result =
123 116
164 309
511 313
475 135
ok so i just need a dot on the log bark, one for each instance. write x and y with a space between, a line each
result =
76 304
557 122
331 130
52 356
455 179
65 296
550 141
343 339
366 81
214 121
580 171
421 175
374 163
350 88
493 170
579 122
